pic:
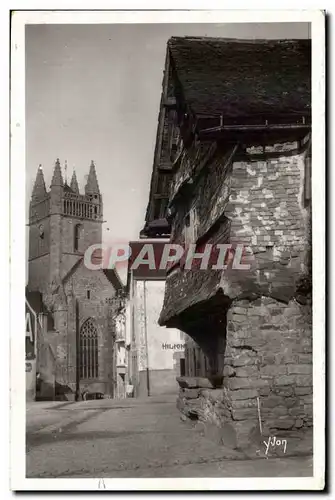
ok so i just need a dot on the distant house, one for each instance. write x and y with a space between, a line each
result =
156 354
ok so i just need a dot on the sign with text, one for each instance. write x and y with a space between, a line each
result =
31 338
31 332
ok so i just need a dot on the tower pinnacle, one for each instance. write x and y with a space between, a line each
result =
39 190
92 186
57 179
74 183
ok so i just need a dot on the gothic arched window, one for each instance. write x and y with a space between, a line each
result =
77 236
88 350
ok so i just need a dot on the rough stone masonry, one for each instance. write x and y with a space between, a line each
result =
268 341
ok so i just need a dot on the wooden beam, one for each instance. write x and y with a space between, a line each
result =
263 127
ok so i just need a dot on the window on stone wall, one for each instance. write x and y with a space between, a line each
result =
89 350
77 236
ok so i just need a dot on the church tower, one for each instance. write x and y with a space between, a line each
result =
63 224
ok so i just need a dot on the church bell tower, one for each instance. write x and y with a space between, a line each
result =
63 223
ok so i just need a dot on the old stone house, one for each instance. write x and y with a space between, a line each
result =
156 353
235 122
83 303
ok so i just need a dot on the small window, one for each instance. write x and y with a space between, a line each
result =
88 293
77 236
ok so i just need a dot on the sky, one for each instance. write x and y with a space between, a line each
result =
93 93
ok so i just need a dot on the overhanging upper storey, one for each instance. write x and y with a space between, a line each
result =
245 92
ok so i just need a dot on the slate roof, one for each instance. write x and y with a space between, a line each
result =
68 189
113 277
111 274
243 78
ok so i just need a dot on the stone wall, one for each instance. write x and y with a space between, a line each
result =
46 368
39 246
63 340
267 362
260 203
268 207
269 356
38 272
267 374
97 307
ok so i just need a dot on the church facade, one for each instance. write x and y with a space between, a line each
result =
84 304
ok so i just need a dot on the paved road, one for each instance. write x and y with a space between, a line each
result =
134 438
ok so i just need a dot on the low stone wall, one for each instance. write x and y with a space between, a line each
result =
46 369
267 385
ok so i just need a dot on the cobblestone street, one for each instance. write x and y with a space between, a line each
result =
135 438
